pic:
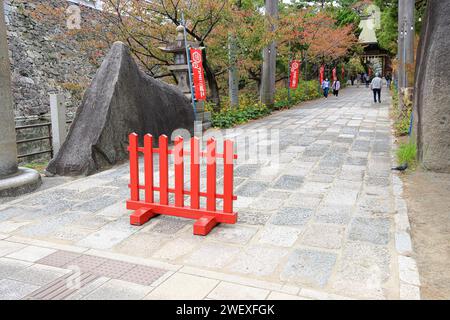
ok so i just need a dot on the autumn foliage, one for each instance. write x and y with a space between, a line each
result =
148 25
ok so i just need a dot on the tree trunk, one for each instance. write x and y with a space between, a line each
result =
269 59
233 75
212 84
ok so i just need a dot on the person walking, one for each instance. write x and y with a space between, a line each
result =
376 86
336 87
326 88
367 80
388 81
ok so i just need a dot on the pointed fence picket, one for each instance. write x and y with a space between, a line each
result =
147 208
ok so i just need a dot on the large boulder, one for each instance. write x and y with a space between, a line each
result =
120 100
432 85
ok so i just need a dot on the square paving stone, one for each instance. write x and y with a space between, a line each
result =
276 194
253 217
304 200
309 267
168 225
334 214
141 244
7 247
232 291
246 170
232 234
315 187
258 261
322 178
48 198
356 161
266 204
280 236
371 206
182 286
70 234
15 290
212 255
252 188
8 213
374 230
48 225
363 269
118 290
288 182
97 203
290 216
31 253
11 266
324 236
39 275
177 248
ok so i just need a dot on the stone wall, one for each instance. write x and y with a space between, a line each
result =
43 59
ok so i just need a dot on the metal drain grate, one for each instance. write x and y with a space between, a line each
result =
62 287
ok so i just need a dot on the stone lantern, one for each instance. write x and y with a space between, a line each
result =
180 69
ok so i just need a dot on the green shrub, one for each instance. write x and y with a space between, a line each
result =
249 109
401 115
407 153
230 117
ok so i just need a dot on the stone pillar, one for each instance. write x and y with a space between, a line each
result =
58 116
8 149
13 181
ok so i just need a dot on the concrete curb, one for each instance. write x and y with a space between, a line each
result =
409 279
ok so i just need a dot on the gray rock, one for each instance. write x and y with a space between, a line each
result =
432 103
120 100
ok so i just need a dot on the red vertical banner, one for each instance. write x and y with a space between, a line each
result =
295 74
343 73
334 74
322 74
198 74
370 72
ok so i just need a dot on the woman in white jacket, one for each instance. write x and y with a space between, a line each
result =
336 87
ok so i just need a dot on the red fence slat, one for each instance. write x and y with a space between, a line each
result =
207 218
148 168
179 171
228 176
211 174
195 173
134 166
163 170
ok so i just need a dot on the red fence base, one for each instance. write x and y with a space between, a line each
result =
207 218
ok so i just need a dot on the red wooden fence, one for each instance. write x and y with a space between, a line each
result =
147 208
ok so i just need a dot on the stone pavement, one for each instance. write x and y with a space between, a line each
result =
328 223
